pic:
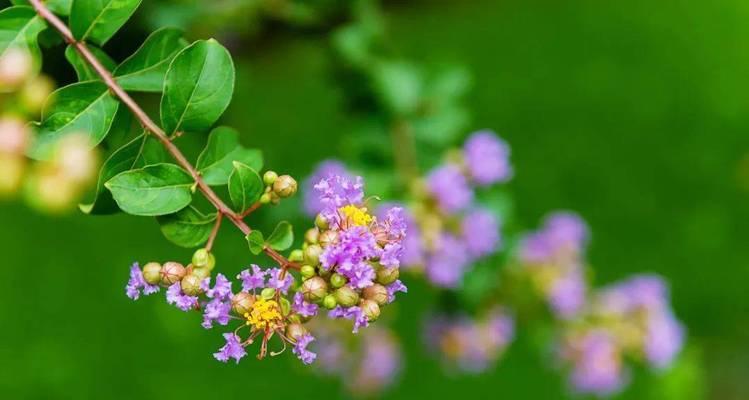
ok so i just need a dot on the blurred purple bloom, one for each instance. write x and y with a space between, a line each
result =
136 283
487 158
597 365
480 233
232 349
447 265
276 282
176 297
664 339
303 308
300 349
324 170
412 252
450 188
567 294
254 280
562 232
379 364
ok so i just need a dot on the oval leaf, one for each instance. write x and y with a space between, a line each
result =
256 241
245 186
215 163
187 228
98 20
82 69
19 29
144 71
82 108
158 189
282 237
198 87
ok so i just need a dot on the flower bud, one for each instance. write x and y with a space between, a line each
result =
337 280
14 136
312 254
201 273
152 273
387 276
274 199
295 331
191 285
171 273
370 309
321 222
329 302
242 302
327 237
268 293
311 236
307 271
346 296
269 177
265 198
204 259
376 293
314 289
296 255
284 186
35 93
285 306
16 66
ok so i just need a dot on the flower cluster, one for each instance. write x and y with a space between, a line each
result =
553 259
472 345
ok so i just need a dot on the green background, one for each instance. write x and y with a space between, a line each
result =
635 114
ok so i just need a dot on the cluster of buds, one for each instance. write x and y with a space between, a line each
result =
277 187
471 344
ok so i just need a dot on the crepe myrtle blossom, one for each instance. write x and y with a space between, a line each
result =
470 345
596 362
324 170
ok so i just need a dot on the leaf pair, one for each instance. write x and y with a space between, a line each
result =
281 239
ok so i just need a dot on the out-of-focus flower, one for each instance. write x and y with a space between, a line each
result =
487 158
16 66
596 363
447 264
480 230
450 188
14 135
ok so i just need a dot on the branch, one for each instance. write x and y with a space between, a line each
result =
151 126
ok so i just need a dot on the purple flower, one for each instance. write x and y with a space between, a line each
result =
302 307
664 339
353 314
487 158
221 289
379 365
217 311
300 349
412 252
254 280
350 254
394 288
136 283
450 188
232 349
277 282
325 170
563 233
447 265
567 294
176 297
337 191
480 233
597 365
391 255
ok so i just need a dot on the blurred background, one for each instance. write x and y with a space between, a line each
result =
635 115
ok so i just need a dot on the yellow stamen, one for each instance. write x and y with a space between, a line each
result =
357 216
264 314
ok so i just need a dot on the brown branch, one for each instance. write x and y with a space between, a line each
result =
251 209
214 232
150 126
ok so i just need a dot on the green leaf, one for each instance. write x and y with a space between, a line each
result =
442 129
399 86
144 71
198 87
19 29
82 69
141 151
245 186
256 241
215 162
81 108
154 190
187 228
98 20
59 7
282 237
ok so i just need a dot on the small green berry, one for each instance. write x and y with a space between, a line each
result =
387 276
268 293
329 302
242 302
152 273
265 198
296 256
337 280
312 235
376 293
307 271
314 289
312 254
191 285
321 222
269 177
370 309
346 296
202 258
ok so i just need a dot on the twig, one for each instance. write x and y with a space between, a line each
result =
214 232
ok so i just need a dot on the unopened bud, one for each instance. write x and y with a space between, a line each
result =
327 237
14 136
321 222
285 306
284 186
269 177
202 273
191 285
268 293
370 309
76 159
376 293
346 296
35 93
296 256
171 273
314 289
307 271
337 280
204 259
329 302
387 276
16 66
312 254
311 236
265 198
274 199
295 331
152 273
242 302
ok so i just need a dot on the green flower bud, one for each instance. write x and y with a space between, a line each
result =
295 331
268 293
152 273
376 293
171 273
296 255
321 222
337 280
285 306
191 285
269 177
312 235
370 309
274 199
314 289
329 302
241 303
387 276
327 237
307 271
203 259
265 198
346 296
312 254
201 273
284 186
